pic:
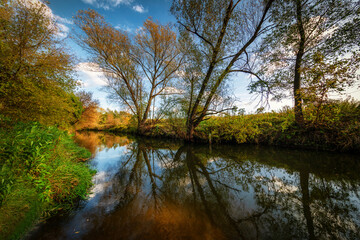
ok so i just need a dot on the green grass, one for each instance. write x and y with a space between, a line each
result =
42 171
333 126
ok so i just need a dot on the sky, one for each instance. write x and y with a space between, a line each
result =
129 15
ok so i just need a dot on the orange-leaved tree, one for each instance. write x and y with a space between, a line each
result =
137 69
91 115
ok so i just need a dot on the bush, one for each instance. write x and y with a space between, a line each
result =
255 128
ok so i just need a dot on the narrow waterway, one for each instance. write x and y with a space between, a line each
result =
163 189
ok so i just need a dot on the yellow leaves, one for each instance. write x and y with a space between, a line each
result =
159 38
152 55
89 118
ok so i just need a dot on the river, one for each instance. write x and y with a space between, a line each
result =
165 189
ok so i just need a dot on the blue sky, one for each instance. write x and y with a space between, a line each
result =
129 15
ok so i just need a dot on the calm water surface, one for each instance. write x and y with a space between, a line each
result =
152 189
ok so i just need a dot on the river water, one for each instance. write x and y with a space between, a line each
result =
163 189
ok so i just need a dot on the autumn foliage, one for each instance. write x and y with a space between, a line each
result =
36 79
137 69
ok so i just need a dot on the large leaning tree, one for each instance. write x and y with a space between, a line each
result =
221 33
312 50
36 72
137 69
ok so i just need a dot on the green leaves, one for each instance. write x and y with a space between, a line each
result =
313 39
46 156
36 74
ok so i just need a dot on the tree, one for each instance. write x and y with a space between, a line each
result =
221 33
137 70
90 115
36 74
312 49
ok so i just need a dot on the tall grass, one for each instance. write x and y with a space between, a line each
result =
41 172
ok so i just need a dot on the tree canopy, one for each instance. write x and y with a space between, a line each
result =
36 72
313 49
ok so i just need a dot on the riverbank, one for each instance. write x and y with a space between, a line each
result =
335 127
42 172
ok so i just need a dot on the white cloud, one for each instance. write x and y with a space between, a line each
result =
61 24
63 30
63 20
140 30
91 2
124 28
117 2
128 29
107 4
91 74
139 8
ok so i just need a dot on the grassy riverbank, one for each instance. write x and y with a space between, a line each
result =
42 171
333 126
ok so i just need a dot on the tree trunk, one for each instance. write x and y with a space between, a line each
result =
299 118
190 130
141 127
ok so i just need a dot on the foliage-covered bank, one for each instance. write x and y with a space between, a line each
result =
338 132
331 126
42 171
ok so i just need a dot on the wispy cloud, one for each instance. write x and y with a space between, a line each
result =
63 30
124 28
63 20
107 4
128 29
139 8
61 24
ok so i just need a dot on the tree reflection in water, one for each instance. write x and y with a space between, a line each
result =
166 190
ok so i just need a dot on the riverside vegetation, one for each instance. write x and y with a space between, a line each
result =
41 168
332 126
42 171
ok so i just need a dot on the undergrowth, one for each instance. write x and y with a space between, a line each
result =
42 171
335 126
332 125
